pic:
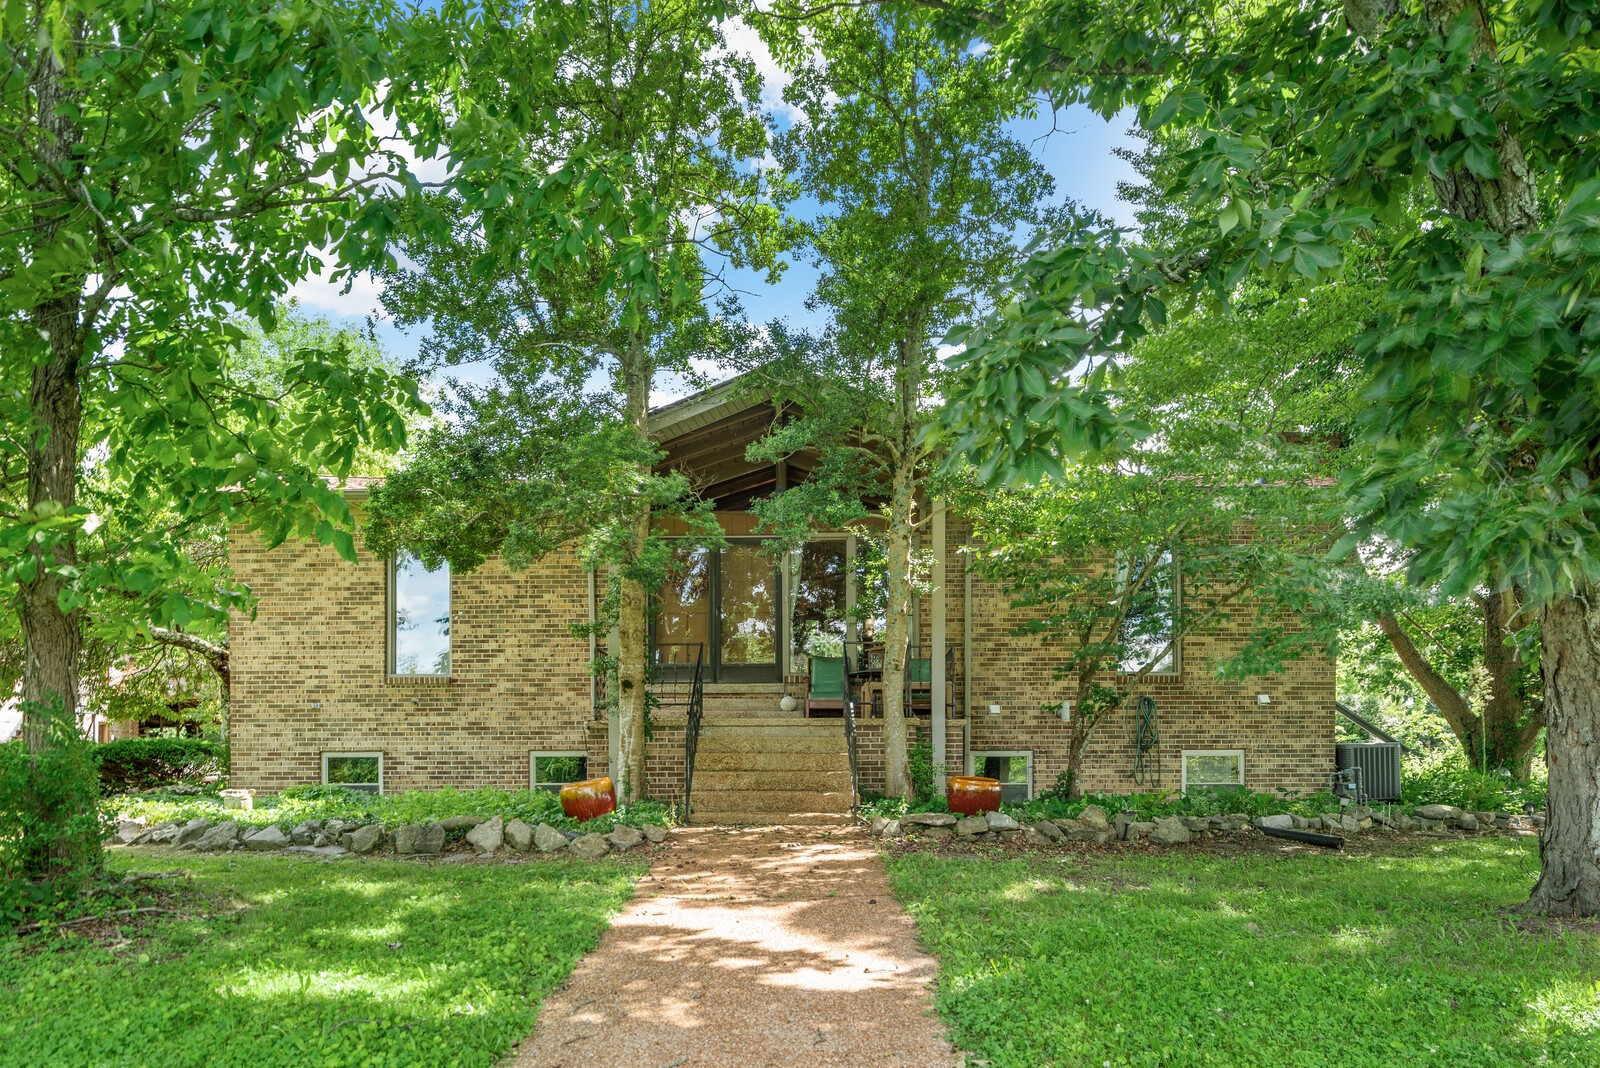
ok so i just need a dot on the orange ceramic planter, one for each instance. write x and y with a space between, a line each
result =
969 795
587 799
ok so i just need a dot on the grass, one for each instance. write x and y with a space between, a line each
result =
1270 960
334 965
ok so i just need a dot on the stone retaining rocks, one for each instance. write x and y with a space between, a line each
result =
624 838
927 819
999 821
970 825
366 839
519 836
418 839
460 823
1283 822
1170 831
267 838
487 836
590 846
546 839
222 836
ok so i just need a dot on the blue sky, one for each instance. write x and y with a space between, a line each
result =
1075 145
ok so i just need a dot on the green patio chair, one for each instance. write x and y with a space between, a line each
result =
825 685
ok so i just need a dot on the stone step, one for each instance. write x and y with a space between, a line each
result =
769 743
735 817
708 759
773 802
771 725
831 781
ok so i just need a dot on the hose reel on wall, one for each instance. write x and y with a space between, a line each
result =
1145 737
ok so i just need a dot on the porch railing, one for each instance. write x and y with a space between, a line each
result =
677 680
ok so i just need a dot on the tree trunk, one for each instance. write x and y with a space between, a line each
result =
50 632
632 634
1569 848
897 630
1500 735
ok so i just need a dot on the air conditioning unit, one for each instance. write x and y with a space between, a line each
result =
1380 767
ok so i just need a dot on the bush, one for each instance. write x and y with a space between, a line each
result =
50 824
316 802
1445 778
144 763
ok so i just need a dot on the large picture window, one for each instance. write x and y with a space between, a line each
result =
1213 769
419 622
1013 769
1148 630
552 771
354 771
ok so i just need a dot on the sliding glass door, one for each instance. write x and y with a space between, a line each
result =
727 600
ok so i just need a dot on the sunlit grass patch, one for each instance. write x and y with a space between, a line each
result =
339 964
1255 960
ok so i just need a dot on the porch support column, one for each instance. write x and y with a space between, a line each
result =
613 728
941 681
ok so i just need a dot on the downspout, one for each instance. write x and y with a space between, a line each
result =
966 661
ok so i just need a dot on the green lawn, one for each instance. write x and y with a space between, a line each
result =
327 964
1314 960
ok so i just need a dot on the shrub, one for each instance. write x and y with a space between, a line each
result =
1445 778
50 824
316 802
143 763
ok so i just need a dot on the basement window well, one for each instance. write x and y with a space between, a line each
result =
1014 770
552 771
1213 769
354 771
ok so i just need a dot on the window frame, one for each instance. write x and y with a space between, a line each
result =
1183 768
533 768
393 659
1176 669
354 755
973 757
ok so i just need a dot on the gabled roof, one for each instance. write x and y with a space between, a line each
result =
714 403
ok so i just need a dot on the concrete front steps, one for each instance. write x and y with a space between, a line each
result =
771 770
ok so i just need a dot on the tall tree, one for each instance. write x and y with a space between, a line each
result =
165 166
924 200
1307 126
559 449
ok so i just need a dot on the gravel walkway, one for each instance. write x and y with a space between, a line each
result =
750 948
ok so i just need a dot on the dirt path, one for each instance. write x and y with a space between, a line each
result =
748 949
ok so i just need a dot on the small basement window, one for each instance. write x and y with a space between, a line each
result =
1014 770
1213 769
552 771
354 771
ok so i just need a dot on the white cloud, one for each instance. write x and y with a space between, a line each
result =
744 40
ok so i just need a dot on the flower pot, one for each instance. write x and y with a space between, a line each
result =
587 799
969 795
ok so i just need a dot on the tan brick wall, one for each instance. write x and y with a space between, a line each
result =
310 676
1287 744
309 672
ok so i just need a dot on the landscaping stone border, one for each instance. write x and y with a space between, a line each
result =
485 836
1093 825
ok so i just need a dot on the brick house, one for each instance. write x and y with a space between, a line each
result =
382 675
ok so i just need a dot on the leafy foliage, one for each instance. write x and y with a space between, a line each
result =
50 826
286 963
1445 778
1192 960
319 802
143 763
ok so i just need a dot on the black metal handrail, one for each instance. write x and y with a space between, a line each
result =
850 743
679 669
